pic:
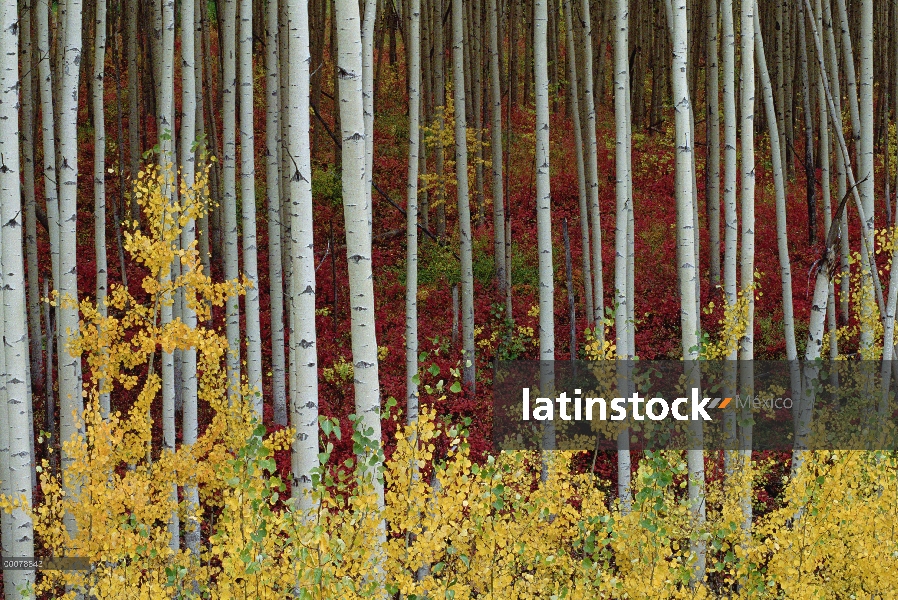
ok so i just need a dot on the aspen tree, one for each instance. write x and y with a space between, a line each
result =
48 136
132 15
543 212
369 20
712 170
188 381
273 143
27 135
229 185
578 148
592 170
16 417
248 207
865 161
303 337
411 234
100 172
688 271
623 196
166 109
496 147
357 215
464 207
70 401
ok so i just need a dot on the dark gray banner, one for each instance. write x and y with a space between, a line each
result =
710 405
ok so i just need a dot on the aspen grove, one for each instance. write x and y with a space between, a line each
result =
261 261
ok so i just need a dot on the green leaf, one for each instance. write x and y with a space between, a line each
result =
455 388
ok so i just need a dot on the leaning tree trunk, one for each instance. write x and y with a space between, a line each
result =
303 338
464 207
19 537
357 215
574 103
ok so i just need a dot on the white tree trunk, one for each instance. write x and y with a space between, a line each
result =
273 142
713 139
623 196
464 208
592 173
42 27
248 208
304 388
357 216
411 232
543 212
100 172
688 271
229 185
166 121
15 330
71 403
573 95
369 21
865 159
188 381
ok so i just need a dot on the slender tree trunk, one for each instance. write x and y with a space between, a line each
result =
369 19
712 170
303 337
27 135
19 537
411 235
810 174
496 146
574 100
440 101
592 173
688 272
865 161
100 174
48 139
133 102
69 366
273 143
229 193
464 208
188 381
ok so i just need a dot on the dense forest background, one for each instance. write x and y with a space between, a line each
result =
324 217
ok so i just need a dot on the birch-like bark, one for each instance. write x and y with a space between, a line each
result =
100 174
810 174
496 148
543 214
573 97
15 329
411 232
27 135
273 200
5 488
865 162
623 199
304 391
592 171
132 14
188 381
369 20
248 208
229 185
712 170
71 404
357 215
688 271
464 207
166 108
48 136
